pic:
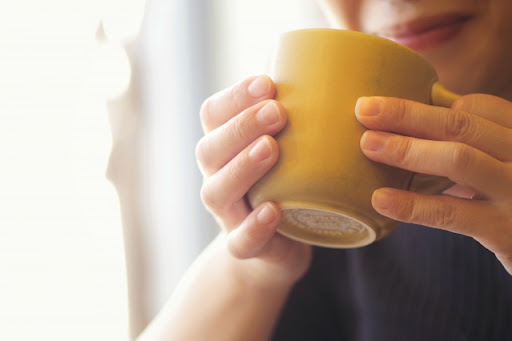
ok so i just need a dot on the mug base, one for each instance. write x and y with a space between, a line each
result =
325 228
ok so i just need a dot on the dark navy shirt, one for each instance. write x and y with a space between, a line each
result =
417 284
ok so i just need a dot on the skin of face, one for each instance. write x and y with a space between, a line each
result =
477 59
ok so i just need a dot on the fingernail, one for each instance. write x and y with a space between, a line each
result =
374 140
259 87
261 150
266 215
380 198
368 106
269 114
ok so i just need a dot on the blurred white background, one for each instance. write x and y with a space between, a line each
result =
70 89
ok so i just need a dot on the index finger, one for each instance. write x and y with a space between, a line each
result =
434 123
492 108
224 105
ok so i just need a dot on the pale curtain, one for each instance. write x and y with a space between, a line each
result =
186 50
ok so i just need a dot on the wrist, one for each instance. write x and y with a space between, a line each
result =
255 275
261 274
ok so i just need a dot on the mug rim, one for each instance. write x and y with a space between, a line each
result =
361 35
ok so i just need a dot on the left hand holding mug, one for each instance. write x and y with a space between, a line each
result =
471 144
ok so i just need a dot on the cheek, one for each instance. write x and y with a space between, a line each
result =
478 63
487 51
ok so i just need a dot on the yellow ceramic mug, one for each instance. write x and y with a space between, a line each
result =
322 181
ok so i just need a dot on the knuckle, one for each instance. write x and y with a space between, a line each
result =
237 95
400 109
459 126
468 103
235 248
432 214
201 155
441 215
462 158
234 172
462 103
401 150
209 197
239 130
405 212
204 112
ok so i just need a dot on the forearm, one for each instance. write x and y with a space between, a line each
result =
214 302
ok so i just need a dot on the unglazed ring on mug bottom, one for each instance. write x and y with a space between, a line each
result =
326 228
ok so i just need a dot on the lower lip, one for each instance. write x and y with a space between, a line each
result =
430 39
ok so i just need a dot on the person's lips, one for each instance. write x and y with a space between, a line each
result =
425 33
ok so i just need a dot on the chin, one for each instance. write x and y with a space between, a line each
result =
460 70
459 82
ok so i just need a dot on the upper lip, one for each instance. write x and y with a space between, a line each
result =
421 25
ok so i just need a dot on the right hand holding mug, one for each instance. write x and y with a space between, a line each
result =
236 151
470 143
